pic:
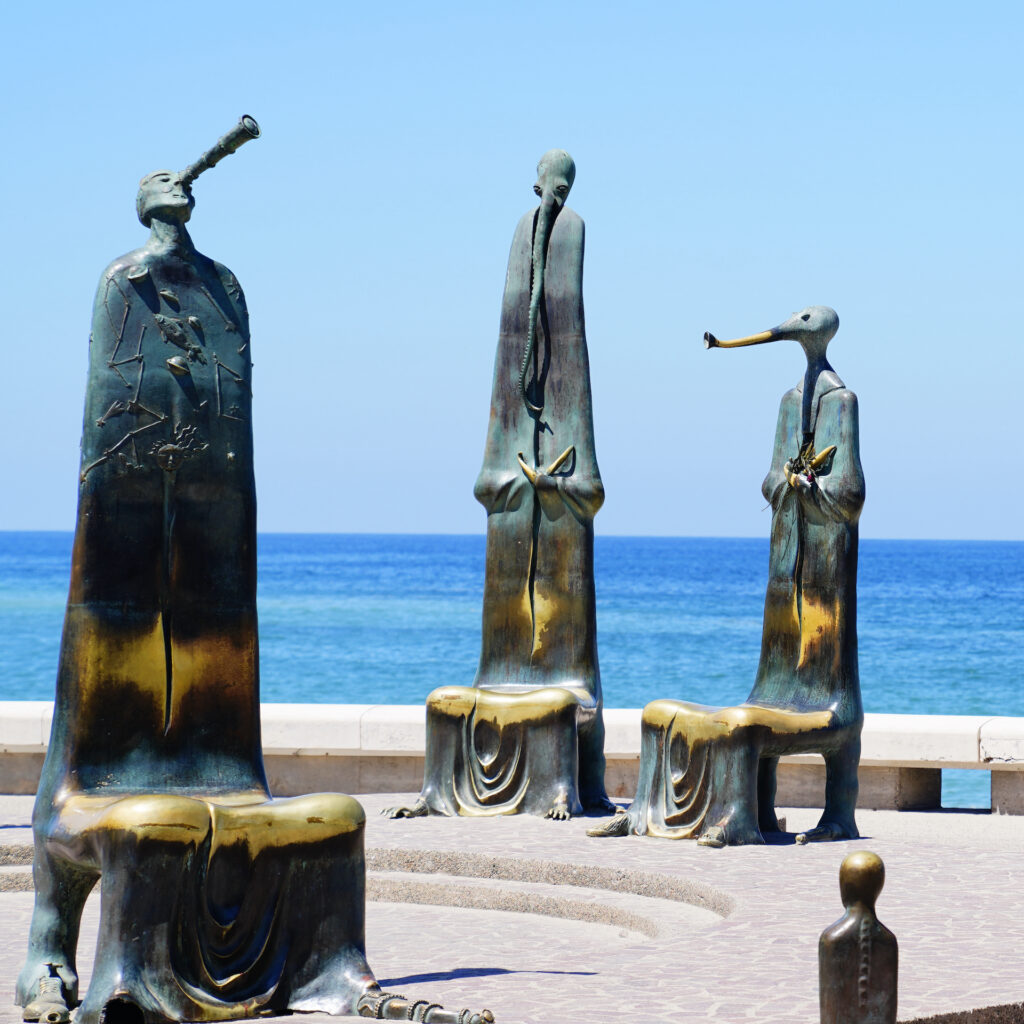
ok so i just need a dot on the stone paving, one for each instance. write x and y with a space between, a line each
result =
537 922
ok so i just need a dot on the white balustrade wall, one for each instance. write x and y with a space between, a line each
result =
378 748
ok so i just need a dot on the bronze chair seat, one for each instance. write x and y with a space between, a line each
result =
213 891
686 747
505 751
86 824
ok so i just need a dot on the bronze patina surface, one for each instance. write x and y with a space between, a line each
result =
217 902
708 773
528 735
858 957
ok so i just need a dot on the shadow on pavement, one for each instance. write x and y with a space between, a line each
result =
466 972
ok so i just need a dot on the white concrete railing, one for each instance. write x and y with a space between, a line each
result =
379 748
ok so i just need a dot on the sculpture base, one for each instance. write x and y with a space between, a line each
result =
708 773
211 909
493 752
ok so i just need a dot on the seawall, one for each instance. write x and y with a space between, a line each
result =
378 748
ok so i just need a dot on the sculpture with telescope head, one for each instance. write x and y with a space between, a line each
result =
528 735
216 901
708 773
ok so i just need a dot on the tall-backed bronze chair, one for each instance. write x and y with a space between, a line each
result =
528 735
709 773
216 902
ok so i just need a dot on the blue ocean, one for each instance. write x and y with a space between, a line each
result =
386 618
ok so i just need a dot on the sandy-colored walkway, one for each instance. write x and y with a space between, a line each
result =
541 924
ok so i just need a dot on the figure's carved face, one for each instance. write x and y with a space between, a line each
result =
555 175
813 327
164 191
814 320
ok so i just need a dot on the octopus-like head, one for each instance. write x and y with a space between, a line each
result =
555 174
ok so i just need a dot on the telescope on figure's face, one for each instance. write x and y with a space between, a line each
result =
246 129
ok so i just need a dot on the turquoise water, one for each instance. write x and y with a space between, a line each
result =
384 619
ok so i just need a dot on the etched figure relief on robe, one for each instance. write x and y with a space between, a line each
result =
217 902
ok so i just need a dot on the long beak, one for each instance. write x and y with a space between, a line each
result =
710 341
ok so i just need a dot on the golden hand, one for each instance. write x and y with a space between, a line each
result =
542 478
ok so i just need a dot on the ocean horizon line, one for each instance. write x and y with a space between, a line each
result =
610 536
623 537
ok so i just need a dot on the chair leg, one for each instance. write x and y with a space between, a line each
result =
838 819
61 891
767 821
593 794
733 815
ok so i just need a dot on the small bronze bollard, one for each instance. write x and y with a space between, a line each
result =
858 956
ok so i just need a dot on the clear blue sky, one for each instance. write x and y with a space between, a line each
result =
735 162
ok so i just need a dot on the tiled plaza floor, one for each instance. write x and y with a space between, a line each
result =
624 948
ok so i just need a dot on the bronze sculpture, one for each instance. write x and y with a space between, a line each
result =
217 902
528 735
709 773
858 957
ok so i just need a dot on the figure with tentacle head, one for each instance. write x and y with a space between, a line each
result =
528 736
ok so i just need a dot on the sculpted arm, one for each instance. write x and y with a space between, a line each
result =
500 485
840 492
776 483
236 296
577 480
583 495
498 490
114 364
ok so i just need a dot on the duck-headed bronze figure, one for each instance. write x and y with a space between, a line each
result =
709 773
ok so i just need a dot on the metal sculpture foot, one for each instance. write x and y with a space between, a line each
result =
731 834
416 810
617 826
715 837
48 1007
559 810
826 832
380 1005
